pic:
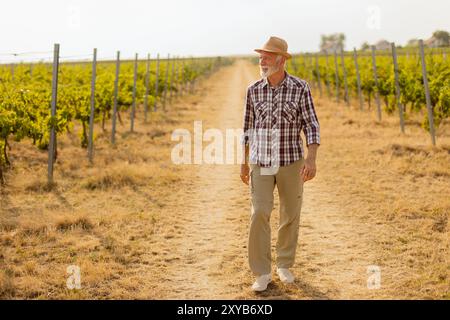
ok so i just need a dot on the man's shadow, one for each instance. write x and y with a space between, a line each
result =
277 290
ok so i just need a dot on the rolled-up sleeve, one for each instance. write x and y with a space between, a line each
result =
249 117
310 122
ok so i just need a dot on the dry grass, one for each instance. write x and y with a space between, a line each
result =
397 185
140 227
101 218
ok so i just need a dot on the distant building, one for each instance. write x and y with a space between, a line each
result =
434 42
383 45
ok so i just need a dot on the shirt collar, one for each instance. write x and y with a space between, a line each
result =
286 82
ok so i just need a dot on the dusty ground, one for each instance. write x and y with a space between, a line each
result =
139 226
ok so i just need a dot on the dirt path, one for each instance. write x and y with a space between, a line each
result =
211 248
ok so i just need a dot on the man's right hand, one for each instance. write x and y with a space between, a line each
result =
245 173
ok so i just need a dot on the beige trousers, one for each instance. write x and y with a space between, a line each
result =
289 183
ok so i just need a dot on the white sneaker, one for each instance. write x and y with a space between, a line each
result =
261 282
285 275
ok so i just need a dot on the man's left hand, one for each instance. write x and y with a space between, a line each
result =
309 169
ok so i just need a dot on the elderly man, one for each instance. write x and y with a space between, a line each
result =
278 107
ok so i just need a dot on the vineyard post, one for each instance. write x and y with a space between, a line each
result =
300 65
189 75
291 64
189 82
427 93
309 69
358 79
174 60
336 75
375 76
173 78
182 76
133 106
344 71
165 81
52 142
313 79
186 76
196 75
397 87
305 67
156 82
196 68
193 74
308 64
444 54
116 89
177 77
177 71
12 71
318 75
147 76
91 116
327 75
294 65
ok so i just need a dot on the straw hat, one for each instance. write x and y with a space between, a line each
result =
275 45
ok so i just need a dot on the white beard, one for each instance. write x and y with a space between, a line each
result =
268 72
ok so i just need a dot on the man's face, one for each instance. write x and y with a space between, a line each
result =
269 63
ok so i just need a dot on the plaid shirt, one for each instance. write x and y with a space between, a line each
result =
274 119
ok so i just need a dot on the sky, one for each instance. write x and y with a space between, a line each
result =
205 27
